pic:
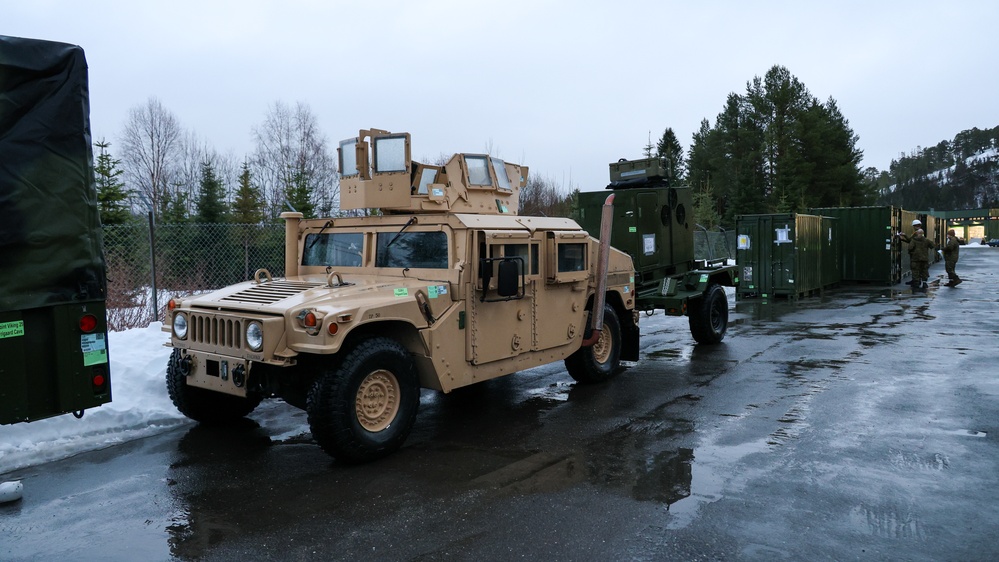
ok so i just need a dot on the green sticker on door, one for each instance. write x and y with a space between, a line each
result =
11 329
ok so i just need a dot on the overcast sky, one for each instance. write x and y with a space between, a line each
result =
564 87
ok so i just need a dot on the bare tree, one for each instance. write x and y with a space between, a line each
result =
292 157
545 197
150 143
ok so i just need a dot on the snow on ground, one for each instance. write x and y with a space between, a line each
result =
139 407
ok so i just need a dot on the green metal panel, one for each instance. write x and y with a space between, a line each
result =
653 225
869 250
782 254
831 269
49 363
631 170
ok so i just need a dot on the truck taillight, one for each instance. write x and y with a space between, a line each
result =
88 323
99 380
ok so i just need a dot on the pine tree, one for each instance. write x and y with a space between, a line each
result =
704 207
111 193
299 194
173 208
247 207
650 148
777 148
670 153
211 204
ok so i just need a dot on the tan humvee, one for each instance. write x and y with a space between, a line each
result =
447 287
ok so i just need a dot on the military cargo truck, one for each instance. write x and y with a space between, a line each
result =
53 328
653 223
443 287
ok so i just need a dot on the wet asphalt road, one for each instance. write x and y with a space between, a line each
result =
863 424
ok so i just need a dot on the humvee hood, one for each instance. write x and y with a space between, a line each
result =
280 295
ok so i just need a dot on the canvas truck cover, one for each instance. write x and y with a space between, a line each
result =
50 235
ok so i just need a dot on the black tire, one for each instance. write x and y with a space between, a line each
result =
205 406
602 360
708 315
378 373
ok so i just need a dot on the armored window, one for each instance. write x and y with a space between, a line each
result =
478 171
427 250
348 157
571 257
527 252
333 249
499 168
390 154
427 177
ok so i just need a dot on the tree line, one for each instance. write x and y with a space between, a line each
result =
962 173
773 148
162 169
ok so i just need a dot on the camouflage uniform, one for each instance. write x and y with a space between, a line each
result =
919 256
951 250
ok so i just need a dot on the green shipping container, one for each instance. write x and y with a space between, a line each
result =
782 254
870 251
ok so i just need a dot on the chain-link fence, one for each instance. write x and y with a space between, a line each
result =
714 244
181 259
145 271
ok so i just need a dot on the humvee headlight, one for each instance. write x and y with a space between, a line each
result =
180 326
255 336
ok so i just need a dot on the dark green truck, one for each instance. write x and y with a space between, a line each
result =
53 327
653 222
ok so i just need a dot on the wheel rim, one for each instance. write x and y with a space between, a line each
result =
716 317
602 349
377 400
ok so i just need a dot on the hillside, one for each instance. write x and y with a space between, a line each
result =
962 173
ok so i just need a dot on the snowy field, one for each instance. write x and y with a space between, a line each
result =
139 407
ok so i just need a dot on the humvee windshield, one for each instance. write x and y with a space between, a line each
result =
412 249
342 249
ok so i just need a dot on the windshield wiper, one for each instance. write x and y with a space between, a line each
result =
398 234
320 233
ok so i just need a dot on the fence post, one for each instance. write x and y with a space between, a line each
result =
152 263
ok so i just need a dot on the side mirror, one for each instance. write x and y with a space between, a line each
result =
507 281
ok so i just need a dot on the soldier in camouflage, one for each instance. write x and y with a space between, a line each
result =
951 250
919 257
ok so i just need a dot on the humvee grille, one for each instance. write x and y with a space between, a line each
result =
269 293
216 332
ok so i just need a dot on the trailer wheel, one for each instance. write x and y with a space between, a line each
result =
708 315
365 408
199 404
602 360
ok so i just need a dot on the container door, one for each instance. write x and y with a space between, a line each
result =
753 250
782 234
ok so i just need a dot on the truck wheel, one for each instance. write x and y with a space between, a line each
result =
365 408
199 404
602 360
708 315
